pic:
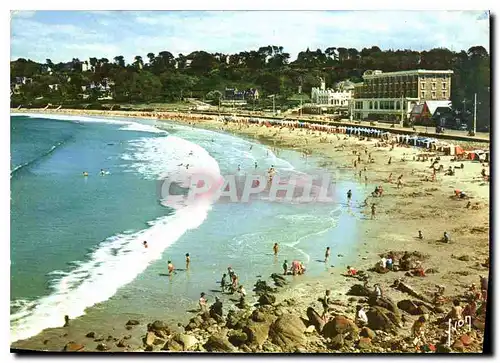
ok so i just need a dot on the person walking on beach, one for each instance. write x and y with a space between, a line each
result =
373 210
170 267
327 254
420 235
188 260
349 194
390 159
275 249
360 174
145 244
285 267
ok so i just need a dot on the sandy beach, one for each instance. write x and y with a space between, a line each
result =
417 204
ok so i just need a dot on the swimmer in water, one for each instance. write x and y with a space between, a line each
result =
103 172
255 165
191 153
251 146
145 244
187 166
85 173
239 167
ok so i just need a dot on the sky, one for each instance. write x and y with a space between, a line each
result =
63 35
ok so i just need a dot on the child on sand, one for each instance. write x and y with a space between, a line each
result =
351 271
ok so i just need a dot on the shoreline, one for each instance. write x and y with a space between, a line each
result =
405 210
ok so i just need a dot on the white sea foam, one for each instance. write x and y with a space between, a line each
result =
119 259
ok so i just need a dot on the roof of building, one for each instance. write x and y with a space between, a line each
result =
417 109
433 105
379 74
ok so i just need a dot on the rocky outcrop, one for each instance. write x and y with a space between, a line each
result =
341 325
315 319
219 343
257 333
288 332
267 299
358 290
237 337
382 319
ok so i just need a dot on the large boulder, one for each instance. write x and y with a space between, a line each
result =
132 322
288 332
364 343
341 325
237 337
386 303
160 328
257 333
367 333
382 319
194 323
413 307
219 343
73 347
358 290
267 299
279 280
185 341
315 319
261 287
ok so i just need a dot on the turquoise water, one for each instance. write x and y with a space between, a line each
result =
76 242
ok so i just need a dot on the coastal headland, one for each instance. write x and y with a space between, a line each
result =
431 274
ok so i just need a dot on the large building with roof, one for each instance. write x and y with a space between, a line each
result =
391 96
338 97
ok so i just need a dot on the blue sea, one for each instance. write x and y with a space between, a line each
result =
76 241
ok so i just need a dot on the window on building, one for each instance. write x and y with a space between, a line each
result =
422 85
444 94
371 105
422 94
376 105
433 85
433 95
398 105
444 85
391 105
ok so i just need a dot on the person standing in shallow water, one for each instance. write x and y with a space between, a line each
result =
276 249
188 260
285 267
349 194
327 254
170 267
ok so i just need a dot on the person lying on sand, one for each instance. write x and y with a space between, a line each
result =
351 271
